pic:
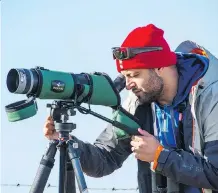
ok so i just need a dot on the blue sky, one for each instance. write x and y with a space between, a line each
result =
77 36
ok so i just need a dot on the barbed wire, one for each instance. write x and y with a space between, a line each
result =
55 186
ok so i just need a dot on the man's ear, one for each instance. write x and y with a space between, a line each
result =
159 70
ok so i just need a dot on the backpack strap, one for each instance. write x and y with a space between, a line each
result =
180 135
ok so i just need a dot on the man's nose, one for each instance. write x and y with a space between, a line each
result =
130 85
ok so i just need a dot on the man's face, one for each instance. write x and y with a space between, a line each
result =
144 83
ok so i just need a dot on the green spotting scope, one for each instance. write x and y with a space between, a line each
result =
74 89
96 88
93 88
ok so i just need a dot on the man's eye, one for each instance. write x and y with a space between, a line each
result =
134 75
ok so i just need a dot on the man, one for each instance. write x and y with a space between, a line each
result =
183 92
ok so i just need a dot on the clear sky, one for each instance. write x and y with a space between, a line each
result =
77 36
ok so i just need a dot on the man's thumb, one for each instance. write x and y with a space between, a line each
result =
143 132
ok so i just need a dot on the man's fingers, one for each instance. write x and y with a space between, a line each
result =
48 132
49 129
143 132
51 134
48 136
137 138
134 143
48 125
133 149
142 136
50 120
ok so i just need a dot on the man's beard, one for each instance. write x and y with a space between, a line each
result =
149 97
154 89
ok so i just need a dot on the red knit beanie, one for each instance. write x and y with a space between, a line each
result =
145 36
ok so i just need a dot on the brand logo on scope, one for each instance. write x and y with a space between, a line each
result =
57 86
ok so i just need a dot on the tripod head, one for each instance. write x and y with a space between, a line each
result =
60 112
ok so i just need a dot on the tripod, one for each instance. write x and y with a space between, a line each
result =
69 166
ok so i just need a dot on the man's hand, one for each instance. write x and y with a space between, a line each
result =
49 130
145 146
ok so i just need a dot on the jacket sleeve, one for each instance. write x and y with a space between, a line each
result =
104 156
195 170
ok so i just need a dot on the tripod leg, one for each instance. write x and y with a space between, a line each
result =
161 182
62 167
44 170
70 186
77 168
